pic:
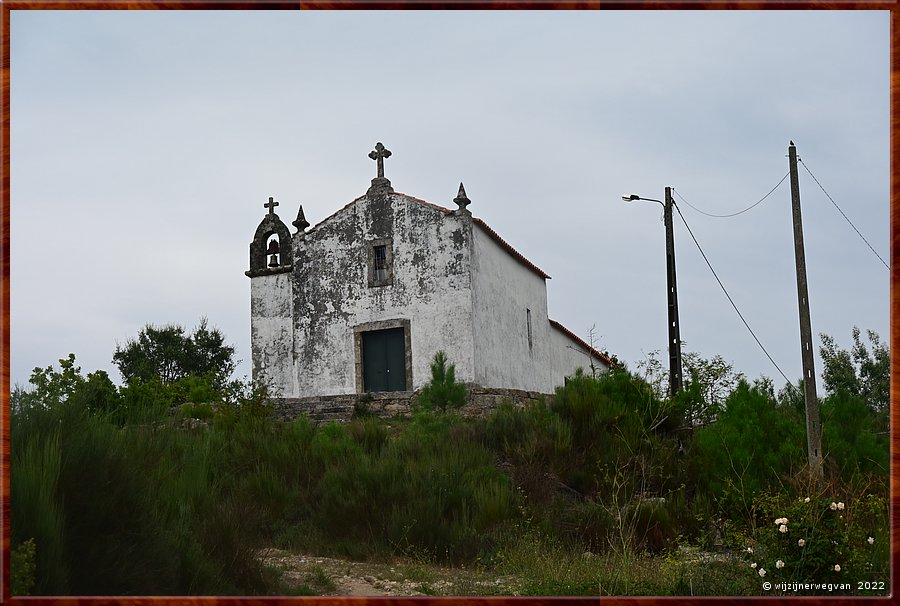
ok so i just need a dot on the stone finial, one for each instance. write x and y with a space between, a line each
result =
300 222
462 200
271 205
380 185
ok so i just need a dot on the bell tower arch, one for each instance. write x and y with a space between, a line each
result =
271 320
272 238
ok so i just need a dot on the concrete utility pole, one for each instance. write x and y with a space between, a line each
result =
813 425
675 378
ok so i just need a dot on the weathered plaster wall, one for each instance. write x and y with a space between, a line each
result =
271 332
502 290
431 288
568 355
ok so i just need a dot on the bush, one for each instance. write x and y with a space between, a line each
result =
21 568
820 539
850 441
753 445
443 390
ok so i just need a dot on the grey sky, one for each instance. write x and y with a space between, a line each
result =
144 145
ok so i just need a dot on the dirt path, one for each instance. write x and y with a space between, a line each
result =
334 577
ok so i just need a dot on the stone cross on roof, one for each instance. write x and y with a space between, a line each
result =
271 206
379 154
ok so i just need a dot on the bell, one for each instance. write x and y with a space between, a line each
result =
273 261
273 247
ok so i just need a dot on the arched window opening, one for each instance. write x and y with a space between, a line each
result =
273 250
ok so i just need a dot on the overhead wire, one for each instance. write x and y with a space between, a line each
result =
740 212
730 300
843 214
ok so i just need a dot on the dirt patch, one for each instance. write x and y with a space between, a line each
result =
335 577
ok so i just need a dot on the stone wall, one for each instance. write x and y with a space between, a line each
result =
322 409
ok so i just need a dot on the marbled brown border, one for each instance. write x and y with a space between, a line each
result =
8 6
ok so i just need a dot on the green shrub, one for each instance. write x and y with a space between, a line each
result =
195 389
753 445
38 513
197 411
369 433
443 390
820 539
22 568
850 441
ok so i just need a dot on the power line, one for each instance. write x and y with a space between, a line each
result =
730 300
844 215
703 212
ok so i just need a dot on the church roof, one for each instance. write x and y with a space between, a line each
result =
600 355
479 222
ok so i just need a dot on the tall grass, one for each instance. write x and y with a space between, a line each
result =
129 500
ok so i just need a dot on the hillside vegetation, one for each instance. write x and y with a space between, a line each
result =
604 489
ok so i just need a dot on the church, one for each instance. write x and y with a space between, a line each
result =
361 302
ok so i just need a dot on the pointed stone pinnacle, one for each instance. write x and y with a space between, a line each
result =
300 222
462 200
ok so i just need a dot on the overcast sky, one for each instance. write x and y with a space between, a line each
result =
144 145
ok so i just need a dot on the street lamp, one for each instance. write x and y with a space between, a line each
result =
633 197
675 378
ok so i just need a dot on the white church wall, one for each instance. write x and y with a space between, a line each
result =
430 289
568 355
503 291
271 329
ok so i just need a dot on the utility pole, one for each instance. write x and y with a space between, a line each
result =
813 425
675 378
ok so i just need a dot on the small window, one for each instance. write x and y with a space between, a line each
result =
528 321
380 263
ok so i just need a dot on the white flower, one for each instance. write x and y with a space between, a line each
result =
801 542
779 564
753 565
806 500
782 529
840 506
833 506
762 572
779 521
837 567
749 550
871 540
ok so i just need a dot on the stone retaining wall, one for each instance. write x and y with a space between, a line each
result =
480 402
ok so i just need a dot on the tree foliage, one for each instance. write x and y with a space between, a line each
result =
752 445
168 353
859 371
707 384
854 439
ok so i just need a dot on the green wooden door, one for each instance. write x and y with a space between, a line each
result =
384 360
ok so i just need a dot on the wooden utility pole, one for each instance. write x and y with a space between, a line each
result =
675 377
813 425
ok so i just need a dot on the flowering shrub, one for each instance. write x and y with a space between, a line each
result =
819 539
